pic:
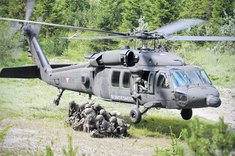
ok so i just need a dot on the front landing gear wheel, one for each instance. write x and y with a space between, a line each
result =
186 114
135 115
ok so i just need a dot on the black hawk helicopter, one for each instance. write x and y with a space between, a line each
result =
145 77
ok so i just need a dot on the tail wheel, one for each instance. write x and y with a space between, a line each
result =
135 115
186 114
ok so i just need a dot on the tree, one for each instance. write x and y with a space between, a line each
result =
161 12
52 12
109 17
130 15
9 44
221 8
196 9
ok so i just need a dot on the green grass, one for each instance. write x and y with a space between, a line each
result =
162 124
3 132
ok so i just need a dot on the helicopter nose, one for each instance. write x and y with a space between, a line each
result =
213 101
203 96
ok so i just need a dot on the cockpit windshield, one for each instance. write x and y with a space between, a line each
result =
189 77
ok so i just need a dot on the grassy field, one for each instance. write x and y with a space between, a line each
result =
28 104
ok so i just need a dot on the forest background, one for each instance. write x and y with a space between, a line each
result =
123 16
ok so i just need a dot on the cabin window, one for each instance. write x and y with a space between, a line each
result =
150 82
115 78
145 75
126 80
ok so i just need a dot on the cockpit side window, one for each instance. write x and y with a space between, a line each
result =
203 76
162 81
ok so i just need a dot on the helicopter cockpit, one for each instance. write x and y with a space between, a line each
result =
185 87
195 76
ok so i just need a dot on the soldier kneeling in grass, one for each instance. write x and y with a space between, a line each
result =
94 119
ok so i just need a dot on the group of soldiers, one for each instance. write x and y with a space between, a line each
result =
94 119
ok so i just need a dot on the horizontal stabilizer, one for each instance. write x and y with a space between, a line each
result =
25 72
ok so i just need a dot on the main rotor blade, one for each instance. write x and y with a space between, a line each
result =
38 27
63 26
29 8
95 37
201 38
177 26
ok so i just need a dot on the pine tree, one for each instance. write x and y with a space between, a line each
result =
221 8
130 15
109 17
196 9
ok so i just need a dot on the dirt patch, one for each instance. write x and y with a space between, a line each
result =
226 110
30 137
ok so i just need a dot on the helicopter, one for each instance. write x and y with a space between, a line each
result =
152 78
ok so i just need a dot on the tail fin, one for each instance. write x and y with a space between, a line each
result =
37 53
38 56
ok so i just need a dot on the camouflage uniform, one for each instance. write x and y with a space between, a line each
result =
105 114
73 113
96 133
123 126
114 126
78 124
89 123
97 108
82 107
97 121
73 108
103 127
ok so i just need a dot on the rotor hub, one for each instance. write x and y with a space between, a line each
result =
29 30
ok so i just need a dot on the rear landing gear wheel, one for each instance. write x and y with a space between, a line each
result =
135 115
186 114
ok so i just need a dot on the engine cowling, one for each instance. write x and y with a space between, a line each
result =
116 57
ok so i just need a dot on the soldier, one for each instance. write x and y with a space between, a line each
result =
82 107
123 126
73 107
105 114
142 86
99 119
78 124
114 126
103 127
97 108
89 115
73 113
89 123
